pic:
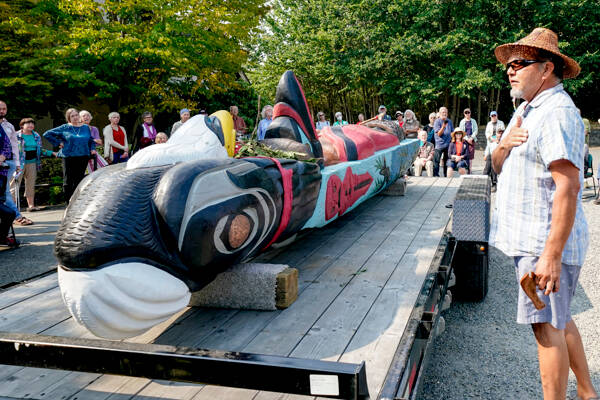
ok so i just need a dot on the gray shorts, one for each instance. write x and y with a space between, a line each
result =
558 305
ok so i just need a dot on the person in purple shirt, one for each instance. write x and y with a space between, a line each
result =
7 215
442 128
86 118
77 147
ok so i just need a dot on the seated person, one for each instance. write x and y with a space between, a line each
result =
458 153
161 137
7 216
425 156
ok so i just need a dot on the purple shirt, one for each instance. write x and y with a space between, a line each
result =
441 142
469 127
6 149
95 134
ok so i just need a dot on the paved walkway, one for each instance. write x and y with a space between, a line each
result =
35 256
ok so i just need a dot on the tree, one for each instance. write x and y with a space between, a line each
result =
417 54
133 55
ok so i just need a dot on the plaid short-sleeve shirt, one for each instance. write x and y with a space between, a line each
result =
525 189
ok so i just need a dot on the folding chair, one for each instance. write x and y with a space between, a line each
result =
588 172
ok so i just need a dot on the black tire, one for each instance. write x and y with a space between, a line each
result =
470 265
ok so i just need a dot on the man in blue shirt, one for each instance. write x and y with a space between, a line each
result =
442 128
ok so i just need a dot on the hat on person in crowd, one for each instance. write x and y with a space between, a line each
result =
493 113
146 114
202 112
381 107
183 111
455 131
338 114
320 113
528 48
398 113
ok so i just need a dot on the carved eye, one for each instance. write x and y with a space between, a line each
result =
234 232
239 230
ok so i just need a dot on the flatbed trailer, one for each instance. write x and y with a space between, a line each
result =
371 288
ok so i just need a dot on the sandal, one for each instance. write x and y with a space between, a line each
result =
23 221
32 209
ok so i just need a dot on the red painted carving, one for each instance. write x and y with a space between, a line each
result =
341 196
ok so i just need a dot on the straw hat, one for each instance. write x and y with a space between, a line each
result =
541 39
455 131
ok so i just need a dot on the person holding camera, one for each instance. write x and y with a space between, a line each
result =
442 128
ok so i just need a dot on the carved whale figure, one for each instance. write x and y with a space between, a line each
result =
185 211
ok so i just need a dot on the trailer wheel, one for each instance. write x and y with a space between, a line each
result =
470 265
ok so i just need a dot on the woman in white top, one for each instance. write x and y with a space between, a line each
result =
116 147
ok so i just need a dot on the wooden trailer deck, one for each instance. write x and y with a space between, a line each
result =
359 279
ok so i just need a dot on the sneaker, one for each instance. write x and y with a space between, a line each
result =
9 242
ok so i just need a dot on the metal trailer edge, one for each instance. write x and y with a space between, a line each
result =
467 258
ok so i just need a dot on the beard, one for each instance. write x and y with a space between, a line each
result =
516 93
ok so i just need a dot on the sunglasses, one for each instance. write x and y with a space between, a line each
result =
467 112
520 64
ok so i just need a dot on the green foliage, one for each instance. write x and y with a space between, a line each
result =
132 55
253 148
418 54
50 178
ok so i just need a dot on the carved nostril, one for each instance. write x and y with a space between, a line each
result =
239 231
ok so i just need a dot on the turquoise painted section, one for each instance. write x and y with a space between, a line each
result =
384 167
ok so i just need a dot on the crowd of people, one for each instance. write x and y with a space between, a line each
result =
76 143
444 149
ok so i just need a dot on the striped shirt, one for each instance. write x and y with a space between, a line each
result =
525 190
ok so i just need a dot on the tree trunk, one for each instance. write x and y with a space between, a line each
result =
446 98
497 99
478 119
364 100
453 112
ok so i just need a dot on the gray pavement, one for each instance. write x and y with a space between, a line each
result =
485 354
35 256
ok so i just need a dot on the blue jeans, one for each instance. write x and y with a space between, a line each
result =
9 199
118 157
7 215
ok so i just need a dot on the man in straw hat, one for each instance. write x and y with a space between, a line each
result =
539 220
